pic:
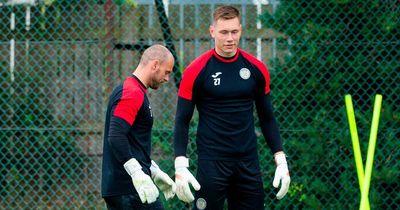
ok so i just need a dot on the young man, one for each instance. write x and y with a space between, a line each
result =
223 84
128 172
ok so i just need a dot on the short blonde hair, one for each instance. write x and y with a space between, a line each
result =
225 12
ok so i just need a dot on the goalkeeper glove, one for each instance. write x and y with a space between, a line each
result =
163 181
182 179
142 182
281 175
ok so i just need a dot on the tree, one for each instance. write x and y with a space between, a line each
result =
333 48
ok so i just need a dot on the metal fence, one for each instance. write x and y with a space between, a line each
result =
60 59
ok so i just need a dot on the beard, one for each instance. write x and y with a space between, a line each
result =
155 84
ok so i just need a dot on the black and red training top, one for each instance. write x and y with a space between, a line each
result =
224 91
127 134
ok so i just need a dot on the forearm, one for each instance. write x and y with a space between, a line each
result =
272 135
268 123
118 140
183 115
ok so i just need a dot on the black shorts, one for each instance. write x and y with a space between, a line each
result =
129 202
239 182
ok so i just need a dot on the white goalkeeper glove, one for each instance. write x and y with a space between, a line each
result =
163 181
281 175
142 182
182 179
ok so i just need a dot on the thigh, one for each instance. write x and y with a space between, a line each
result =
247 191
129 202
214 178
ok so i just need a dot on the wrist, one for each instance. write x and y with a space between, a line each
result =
280 158
181 162
154 168
132 166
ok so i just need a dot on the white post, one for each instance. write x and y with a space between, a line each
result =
12 46
196 25
28 18
274 5
212 8
243 21
12 3
151 22
259 41
166 7
181 27
27 28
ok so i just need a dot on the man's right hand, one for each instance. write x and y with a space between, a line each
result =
142 182
182 179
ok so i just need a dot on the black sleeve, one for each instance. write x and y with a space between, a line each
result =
184 113
268 124
118 139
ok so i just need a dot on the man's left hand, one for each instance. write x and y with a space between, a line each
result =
281 175
163 181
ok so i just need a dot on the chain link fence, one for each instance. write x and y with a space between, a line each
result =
60 59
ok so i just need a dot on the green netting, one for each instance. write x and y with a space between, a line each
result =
60 59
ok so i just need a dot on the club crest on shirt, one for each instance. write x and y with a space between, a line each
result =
201 203
217 81
244 73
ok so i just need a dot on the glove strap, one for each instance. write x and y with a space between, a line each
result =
132 166
181 162
280 158
154 169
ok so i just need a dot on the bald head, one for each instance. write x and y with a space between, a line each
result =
156 52
155 66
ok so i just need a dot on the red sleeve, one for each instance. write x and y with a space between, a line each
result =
189 76
130 102
261 66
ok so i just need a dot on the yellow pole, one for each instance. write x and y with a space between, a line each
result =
355 141
371 151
